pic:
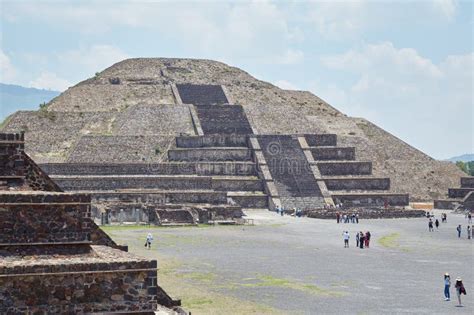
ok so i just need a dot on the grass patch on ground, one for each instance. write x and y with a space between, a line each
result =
390 240
270 281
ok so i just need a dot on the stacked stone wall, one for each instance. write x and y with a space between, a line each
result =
121 149
30 219
467 182
358 184
96 183
303 203
372 199
209 154
219 140
11 155
178 168
103 282
365 213
36 178
345 168
333 153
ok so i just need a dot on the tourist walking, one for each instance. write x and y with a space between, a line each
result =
338 217
149 238
357 218
346 237
357 239
469 218
361 240
437 223
447 286
459 286
459 230
469 232
367 239
430 225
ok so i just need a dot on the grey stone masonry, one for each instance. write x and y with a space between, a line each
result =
371 199
245 168
219 140
209 154
459 192
467 182
345 168
358 183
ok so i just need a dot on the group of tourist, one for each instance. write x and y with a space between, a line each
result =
432 225
362 239
297 212
468 231
459 286
347 218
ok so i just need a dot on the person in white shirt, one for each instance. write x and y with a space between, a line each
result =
346 237
149 238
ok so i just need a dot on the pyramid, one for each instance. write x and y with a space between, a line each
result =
186 131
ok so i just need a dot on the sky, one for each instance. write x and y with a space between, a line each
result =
405 65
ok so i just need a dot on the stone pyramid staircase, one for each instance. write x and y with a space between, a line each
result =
347 180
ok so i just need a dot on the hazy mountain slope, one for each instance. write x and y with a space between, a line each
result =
15 97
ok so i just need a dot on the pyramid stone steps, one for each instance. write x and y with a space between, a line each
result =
318 140
459 192
237 183
467 182
288 166
219 140
223 119
210 154
337 168
198 94
361 183
114 182
333 153
245 168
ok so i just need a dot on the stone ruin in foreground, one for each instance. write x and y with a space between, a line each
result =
181 141
53 257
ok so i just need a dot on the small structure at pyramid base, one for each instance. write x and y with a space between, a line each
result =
53 258
461 198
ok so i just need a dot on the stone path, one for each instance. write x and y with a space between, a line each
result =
300 266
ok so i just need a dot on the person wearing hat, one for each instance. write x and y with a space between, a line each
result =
447 285
459 289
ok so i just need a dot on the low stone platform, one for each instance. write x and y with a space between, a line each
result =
367 213
459 198
371 199
101 280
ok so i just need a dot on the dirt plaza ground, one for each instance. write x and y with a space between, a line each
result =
288 265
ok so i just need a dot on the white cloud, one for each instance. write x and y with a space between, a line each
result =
373 57
8 73
403 91
50 81
288 58
447 8
92 59
338 19
249 29
286 85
